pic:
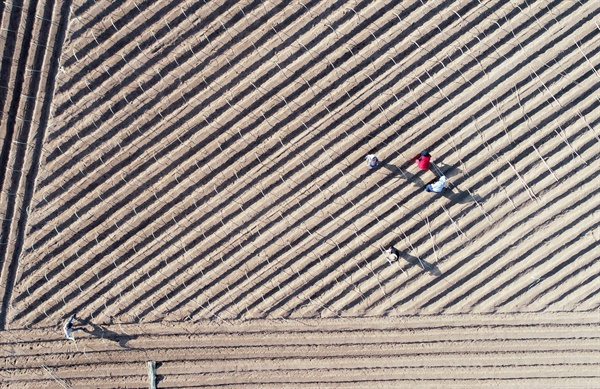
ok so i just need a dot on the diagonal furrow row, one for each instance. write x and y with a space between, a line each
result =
151 81
87 18
37 30
133 13
206 162
131 177
553 297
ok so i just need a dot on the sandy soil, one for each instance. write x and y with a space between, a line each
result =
537 350
204 163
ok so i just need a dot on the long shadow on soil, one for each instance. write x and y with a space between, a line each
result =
349 151
166 189
227 143
421 263
572 275
108 33
99 331
405 175
107 10
532 182
24 106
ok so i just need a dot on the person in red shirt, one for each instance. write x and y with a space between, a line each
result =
422 160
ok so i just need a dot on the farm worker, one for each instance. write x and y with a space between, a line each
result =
422 160
372 161
438 186
68 328
392 254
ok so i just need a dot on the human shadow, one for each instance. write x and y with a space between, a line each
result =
458 196
440 168
414 261
104 333
398 172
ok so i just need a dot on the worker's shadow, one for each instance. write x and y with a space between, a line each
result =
102 332
414 261
458 196
440 168
397 172
451 192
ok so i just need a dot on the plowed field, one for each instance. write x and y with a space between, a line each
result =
459 351
185 164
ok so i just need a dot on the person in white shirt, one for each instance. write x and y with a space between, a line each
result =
68 328
392 254
372 161
438 186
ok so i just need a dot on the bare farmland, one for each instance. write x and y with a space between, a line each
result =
204 162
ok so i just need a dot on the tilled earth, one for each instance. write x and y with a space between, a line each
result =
185 164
